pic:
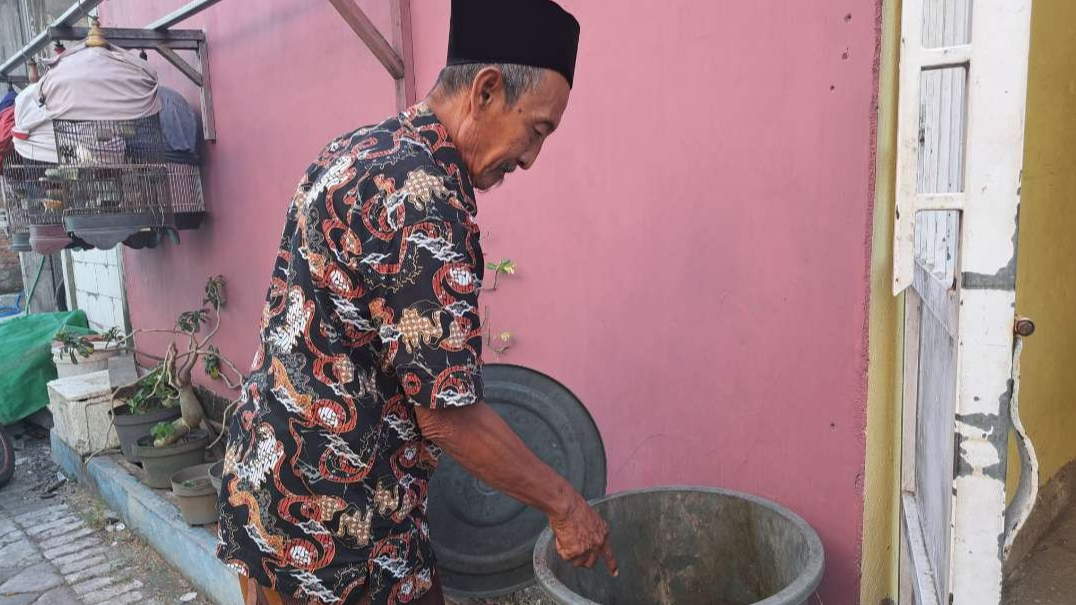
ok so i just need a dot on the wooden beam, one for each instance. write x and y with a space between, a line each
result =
173 57
209 121
148 36
406 93
181 14
366 30
148 39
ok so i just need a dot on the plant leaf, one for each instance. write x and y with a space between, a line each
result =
190 322
214 292
212 362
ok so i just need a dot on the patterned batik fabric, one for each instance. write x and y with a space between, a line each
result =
372 310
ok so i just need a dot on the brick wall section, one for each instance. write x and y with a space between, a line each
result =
10 269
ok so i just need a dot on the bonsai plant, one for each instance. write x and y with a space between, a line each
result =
147 403
170 383
168 387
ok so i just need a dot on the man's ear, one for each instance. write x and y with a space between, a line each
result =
487 89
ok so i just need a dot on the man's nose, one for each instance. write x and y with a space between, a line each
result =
527 159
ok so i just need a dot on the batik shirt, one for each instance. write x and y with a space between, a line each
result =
372 310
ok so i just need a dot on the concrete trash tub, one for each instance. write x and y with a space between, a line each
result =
691 546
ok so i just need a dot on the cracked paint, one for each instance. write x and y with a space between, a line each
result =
982 442
1002 279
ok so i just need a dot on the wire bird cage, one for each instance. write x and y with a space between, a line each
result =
188 201
117 182
33 204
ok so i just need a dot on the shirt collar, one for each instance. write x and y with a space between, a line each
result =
421 120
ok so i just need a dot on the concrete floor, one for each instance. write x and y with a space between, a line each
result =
1048 575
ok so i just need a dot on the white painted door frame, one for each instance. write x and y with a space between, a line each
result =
975 305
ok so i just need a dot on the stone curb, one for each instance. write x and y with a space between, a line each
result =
191 550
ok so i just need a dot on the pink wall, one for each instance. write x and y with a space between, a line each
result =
692 244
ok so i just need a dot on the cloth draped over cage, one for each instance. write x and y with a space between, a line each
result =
34 137
109 155
105 83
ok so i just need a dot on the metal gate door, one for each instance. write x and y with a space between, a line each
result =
963 79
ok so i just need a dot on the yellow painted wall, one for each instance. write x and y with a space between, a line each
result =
881 526
1046 264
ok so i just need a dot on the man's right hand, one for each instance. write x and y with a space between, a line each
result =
582 536
480 441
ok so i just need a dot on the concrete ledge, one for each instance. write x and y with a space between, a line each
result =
191 550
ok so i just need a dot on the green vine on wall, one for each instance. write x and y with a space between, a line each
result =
503 341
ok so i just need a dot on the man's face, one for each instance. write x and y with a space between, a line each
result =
496 138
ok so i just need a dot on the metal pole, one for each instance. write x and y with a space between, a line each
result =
182 13
70 17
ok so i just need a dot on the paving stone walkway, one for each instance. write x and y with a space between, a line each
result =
60 546
49 556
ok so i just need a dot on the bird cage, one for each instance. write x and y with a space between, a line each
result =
33 204
188 201
117 182
16 218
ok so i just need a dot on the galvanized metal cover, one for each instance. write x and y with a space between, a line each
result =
483 539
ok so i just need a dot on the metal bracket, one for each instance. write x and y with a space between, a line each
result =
166 42
397 57
155 36
71 16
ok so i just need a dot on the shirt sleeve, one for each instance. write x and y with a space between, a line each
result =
423 292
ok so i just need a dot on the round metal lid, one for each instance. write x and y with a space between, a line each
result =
483 539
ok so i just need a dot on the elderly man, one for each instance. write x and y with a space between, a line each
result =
369 365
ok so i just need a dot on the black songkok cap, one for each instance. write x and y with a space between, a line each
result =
538 33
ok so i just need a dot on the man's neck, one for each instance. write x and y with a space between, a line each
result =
448 112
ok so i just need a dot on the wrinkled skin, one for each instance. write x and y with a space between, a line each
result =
494 138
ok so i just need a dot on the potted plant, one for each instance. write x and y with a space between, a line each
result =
169 385
161 462
195 494
146 403
75 354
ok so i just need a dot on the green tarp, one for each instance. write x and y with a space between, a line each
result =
26 361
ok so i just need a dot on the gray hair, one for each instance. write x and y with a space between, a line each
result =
518 79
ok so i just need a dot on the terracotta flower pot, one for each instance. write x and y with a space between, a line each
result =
197 498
